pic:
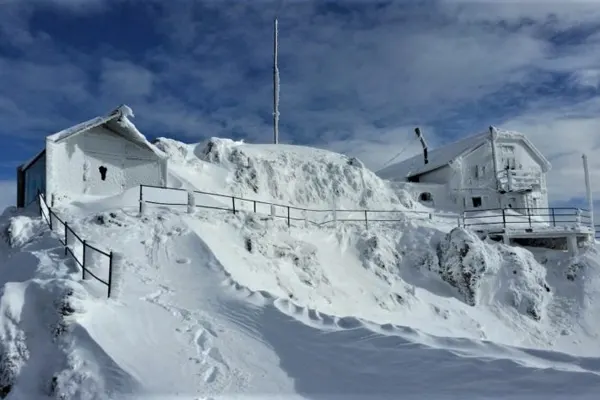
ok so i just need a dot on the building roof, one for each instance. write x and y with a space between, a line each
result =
33 159
444 155
116 121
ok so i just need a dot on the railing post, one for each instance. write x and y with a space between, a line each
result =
141 199
50 217
191 202
254 204
115 275
578 216
553 217
430 216
529 216
83 261
366 221
233 203
110 273
504 218
66 237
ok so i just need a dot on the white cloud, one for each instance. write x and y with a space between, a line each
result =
563 134
123 79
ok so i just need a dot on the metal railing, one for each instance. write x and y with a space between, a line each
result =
526 217
74 245
287 212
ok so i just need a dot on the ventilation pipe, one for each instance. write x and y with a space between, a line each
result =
422 139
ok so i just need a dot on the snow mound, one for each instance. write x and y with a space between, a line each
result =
21 229
288 174
491 272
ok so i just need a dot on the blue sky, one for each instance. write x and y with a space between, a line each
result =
356 76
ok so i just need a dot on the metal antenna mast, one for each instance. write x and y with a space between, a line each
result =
275 86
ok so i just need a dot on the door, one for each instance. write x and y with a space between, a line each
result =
103 174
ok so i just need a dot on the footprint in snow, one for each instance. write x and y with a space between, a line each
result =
183 261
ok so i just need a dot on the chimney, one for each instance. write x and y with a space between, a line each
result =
422 139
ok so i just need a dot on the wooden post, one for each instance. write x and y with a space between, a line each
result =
233 203
504 218
288 216
366 221
529 216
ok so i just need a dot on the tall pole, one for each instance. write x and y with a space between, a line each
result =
275 87
588 190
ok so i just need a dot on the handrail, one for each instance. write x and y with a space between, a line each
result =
68 250
466 219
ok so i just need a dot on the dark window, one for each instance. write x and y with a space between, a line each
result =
476 201
103 171
425 196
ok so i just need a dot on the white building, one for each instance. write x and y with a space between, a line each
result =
495 169
103 156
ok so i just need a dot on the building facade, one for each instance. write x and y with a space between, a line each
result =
103 156
495 169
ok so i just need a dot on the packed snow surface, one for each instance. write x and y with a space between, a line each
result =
221 305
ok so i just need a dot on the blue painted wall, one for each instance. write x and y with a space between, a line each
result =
35 179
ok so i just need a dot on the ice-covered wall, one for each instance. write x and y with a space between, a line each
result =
100 162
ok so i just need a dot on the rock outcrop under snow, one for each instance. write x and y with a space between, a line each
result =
288 174
491 272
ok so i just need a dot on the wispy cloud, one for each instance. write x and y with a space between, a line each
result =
355 76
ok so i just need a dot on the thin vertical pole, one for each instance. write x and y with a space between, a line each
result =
366 221
110 271
233 203
275 86
66 236
588 191
288 216
83 263
141 198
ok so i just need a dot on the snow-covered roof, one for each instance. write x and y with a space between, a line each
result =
442 156
116 121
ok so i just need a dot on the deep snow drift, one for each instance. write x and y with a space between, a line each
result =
222 305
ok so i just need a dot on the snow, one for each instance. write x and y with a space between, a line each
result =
121 116
452 152
220 305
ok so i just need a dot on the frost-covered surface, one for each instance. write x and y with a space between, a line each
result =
295 175
216 305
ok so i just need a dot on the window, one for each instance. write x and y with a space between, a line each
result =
476 171
425 196
476 202
508 157
483 170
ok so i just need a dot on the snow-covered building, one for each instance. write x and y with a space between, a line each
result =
102 156
494 169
